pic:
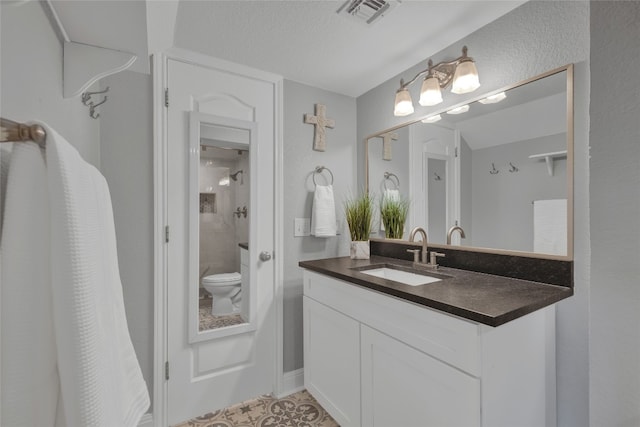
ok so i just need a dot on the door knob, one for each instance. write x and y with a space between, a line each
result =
265 256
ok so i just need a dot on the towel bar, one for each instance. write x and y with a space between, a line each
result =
11 131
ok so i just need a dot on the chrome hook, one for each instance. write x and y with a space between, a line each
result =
512 168
86 96
92 108
493 170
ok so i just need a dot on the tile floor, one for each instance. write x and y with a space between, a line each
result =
208 321
296 410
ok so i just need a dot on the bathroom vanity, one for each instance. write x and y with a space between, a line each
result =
469 349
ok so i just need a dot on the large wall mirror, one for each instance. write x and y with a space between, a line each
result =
220 196
501 169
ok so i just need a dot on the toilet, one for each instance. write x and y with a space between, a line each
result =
225 290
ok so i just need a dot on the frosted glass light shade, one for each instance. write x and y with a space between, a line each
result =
459 110
404 104
465 79
432 119
430 92
493 99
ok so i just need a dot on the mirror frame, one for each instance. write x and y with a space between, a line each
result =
196 119
570 165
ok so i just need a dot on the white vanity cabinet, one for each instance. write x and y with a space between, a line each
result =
376 360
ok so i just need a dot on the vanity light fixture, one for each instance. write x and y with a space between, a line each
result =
432 119
461 74
459 110
493 99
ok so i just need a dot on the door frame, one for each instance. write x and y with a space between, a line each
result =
160 252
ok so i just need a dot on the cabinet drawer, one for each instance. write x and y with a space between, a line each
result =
450 339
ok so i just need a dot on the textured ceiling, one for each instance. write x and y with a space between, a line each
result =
308 42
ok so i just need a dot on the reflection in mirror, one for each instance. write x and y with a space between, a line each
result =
222 234
499 170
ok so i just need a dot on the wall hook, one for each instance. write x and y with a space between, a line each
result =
512 168
437 178
92 108
86 96
493 170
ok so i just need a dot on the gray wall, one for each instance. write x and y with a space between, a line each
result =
299 162
126 155
397 166
503 213
31 87
615 209
534 38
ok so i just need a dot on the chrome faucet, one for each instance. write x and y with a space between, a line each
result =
451 230
412 236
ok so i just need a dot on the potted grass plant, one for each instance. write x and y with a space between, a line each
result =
393 214
359 213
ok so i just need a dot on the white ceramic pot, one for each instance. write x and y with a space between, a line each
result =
360 249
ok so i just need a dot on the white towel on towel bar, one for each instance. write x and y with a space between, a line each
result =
550 226
67 264
100 378
29 374
323 215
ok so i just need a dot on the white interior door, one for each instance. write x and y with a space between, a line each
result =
435 166
213 369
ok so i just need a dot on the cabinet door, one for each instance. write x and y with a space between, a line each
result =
332 360
402 386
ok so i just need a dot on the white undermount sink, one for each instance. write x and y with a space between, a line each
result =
406 277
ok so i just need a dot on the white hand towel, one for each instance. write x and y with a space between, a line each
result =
100 377
392 194
29 375
550 226
323 215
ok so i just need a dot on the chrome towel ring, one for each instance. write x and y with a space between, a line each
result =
318 171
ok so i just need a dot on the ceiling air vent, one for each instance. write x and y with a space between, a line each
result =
367 11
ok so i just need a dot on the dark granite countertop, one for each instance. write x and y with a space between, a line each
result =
485 298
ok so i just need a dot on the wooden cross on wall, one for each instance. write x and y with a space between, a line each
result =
386 144
320 122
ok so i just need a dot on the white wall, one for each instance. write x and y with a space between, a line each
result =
127 163
299 162
615 212
534 38
31 87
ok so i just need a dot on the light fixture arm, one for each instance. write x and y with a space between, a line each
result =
443 71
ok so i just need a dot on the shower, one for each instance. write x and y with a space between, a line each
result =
234 176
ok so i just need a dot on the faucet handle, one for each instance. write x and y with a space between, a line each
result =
433 256
416 254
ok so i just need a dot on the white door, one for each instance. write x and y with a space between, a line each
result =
435 167
214 368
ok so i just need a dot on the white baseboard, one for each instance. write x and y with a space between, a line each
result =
293 381
146 420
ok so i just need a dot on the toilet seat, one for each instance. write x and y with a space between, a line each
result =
222 278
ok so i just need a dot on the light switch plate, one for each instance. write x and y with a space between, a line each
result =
301 227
